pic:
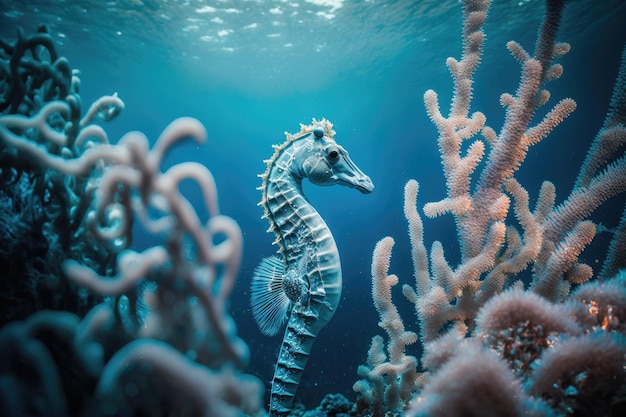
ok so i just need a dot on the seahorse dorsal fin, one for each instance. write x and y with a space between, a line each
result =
268 300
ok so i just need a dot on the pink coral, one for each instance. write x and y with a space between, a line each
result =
584 375
520 325
600 305
461 388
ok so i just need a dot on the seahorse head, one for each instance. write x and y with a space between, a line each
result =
324 162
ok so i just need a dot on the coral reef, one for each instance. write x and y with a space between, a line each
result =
90 327
494 344
160 341
42 211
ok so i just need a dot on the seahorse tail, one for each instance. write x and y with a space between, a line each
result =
300 334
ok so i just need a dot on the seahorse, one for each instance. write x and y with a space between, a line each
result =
303 287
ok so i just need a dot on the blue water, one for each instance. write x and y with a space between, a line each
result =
249 70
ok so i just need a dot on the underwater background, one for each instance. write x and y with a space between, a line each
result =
250 70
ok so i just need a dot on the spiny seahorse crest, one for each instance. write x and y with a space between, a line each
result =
323 125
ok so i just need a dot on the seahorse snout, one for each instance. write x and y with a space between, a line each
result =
349 174
364 184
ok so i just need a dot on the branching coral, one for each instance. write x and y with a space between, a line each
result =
388 382
466 321
182 356
554 358
43 210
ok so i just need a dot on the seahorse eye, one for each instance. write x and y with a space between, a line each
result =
333 154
